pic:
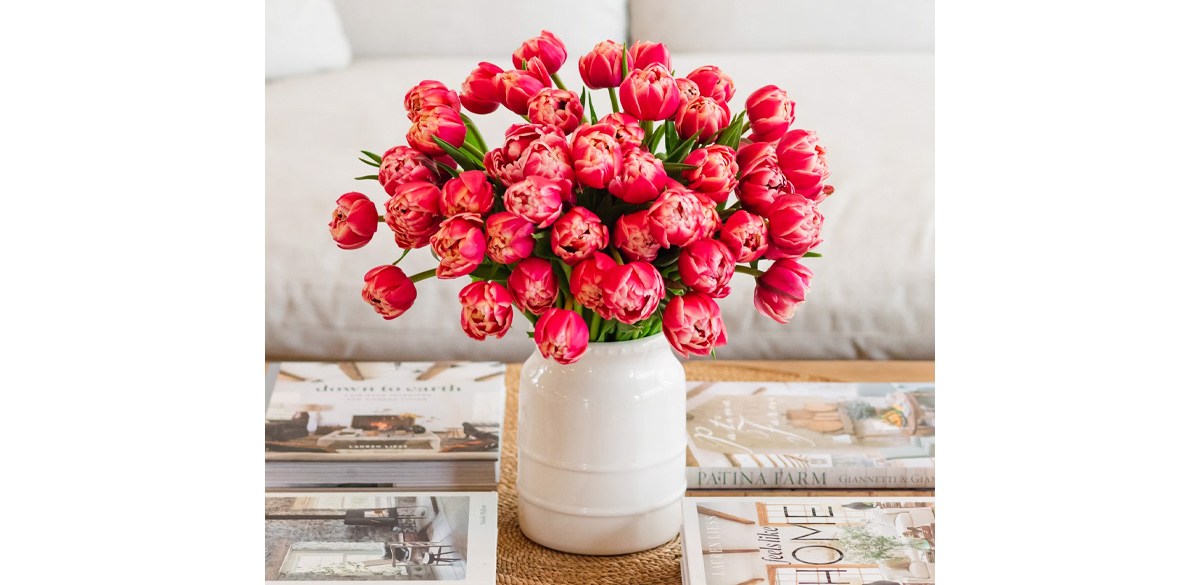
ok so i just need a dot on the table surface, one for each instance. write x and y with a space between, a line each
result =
522 562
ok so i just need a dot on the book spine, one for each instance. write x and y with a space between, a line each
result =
812 478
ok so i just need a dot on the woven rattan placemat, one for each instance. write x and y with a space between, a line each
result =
520 561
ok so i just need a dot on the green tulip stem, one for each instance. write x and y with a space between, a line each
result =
558 81
612 97
748 270
594 329
418 277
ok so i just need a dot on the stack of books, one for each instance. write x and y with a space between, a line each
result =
383 471
770 541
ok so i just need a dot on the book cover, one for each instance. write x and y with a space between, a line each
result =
808 540
804 435
385 411
344 537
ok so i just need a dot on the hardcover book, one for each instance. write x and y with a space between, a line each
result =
808 540
344 537
810 435
405 424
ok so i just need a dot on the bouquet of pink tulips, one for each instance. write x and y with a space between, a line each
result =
595 228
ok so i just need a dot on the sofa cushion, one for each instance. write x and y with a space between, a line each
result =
775 25
303 36
493 30
872 294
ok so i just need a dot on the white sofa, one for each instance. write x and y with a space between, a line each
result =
861 72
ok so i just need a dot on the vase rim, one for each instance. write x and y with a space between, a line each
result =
632 345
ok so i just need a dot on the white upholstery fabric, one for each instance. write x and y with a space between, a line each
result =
387 28
780 25
872 294
303 36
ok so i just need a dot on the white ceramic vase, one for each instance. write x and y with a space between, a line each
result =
601 448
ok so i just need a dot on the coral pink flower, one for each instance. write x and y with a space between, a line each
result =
803 161
586 279
793 227
597 155
631 292
545 47
439 121
676 218
577 235
601 67
556 107
414 213
688 90
479 89
762 181
537 200
549 157
645 53
514 88
533 285
693 324
715 174
427 94
745 234
469 192
703 115
401 164
707 266
770 112
509 238
628 132
640 178
561 335
486 310
355 220
505 163
781 288
710 218
632 235
713 83
389 291
459 245
650 93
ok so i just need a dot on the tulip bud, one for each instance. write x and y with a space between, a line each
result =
439 121
514 88
650 93
537 200
632 236
715 174
675 218
479 89
793 227
556 107
713 83
704 116
632 291
586 282
707 266
486 310
745 234
459 244
469 192
640 178
693 324
414 214
355 220
577 235
427 94
561 335
533 285
781 288
545 47
401 164
802 159
509 237
389 291
645 53
770 112
626 128
601 67
597 155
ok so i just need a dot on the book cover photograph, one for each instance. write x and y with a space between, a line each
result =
344 537
354 422
810 435
808 540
